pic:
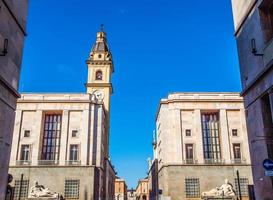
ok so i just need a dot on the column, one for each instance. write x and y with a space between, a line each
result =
38 134
64 135
225 147
15 140
199 153
85 141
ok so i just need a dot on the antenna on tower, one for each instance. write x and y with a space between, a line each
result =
102 27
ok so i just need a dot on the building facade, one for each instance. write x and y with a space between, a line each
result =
13 15
61 140
253 21
120 189
201 140
142 189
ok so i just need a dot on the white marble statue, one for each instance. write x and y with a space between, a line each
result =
226 190
39 191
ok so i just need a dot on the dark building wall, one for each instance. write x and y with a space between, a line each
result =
12 28
257 82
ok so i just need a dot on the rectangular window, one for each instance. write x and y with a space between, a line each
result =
74 133
25 153
211 137
243 186
237 153
188 132
74 151
189 154
27 133
266 14
24 189
51 138
234 132
72 188
192 187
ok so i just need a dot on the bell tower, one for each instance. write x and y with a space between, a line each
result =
100 69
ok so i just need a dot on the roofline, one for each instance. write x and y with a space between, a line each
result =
167 101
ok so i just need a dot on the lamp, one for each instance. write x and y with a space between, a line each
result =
5 50
254 48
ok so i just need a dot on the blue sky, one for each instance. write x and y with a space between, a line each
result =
158 46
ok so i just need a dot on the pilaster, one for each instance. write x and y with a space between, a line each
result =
224 136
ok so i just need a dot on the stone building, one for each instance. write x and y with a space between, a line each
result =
61 140
201 140
13 15
142 189
120 189
253 21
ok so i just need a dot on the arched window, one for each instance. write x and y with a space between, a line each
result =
98 75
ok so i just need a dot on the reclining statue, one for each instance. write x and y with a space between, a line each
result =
38 191
226 190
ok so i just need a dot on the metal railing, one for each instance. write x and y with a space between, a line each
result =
73 162
238 161
190 161
214 161
48 162
23 162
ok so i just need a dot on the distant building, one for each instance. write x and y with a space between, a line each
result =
12 34
201 140
61 140
120 189
142 189
131 194
253 21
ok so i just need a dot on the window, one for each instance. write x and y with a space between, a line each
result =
99 75
71 190
192 187
24 189
188 132
27 133
211 140
51 138
25 153
74 150
234 132
237 153
189 153
74 133
243 186
266 13
268 121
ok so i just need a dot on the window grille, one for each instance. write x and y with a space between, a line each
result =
243 185
72 189
74 150
51 138
24 189
25 152
192 188
211 137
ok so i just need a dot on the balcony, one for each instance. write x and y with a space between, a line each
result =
238 161
23 162
212 161
48 162
73 162
190 161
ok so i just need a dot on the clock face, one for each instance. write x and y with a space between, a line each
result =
99 94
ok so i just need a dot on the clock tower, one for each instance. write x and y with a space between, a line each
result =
100 68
